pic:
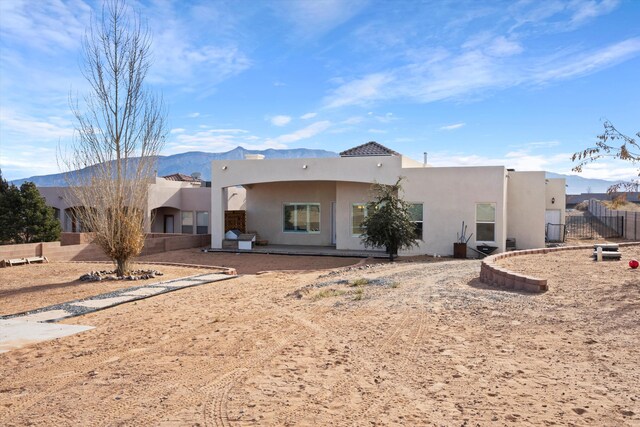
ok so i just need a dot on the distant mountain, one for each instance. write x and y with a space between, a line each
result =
193 161
198 161
577 184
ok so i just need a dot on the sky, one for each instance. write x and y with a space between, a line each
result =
522 84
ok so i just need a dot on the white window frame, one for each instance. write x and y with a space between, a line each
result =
182 223
308 204
200 214
421 237
351 222
495 211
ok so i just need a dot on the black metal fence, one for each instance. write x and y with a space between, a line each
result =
593 227
630 228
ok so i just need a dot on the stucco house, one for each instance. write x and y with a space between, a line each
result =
321 201
176 203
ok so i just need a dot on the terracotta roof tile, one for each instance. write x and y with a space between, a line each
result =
180 177
371 148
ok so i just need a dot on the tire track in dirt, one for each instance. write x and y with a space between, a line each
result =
88 363
215 410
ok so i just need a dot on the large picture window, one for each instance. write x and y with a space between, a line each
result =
358 214
486 222
202 222
417 217
187 222
302 217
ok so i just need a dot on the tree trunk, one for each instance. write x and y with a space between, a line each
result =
392 251
122 267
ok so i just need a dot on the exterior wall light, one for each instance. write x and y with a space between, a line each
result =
553 200
304 166
224 168
379 165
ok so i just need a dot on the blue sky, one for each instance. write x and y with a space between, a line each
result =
517 83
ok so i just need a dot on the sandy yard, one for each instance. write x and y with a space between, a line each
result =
388 344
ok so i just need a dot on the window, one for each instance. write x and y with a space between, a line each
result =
202 222
358 214
302 217
187 222
416 214
486 222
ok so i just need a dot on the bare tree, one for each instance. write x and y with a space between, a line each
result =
118 135
607 146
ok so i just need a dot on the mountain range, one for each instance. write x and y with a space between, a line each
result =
198 161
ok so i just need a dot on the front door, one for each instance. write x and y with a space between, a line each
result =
168 223
552 225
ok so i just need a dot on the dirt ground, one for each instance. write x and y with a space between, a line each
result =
27 287
251 263
388 344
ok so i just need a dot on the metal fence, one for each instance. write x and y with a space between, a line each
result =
628 222
593 227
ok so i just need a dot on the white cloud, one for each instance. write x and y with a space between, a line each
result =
453 126
587 63
193 115
31 128
312 19
504 47
308 116
48 26
472 72
280 120
585 10
377 131
353 120
609 170
212 140
304 133
361 91
177 130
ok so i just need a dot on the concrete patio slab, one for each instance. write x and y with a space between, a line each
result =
45 316
143 292
104 302
16 333
185 283
213 277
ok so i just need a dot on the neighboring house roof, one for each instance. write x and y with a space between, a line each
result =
180 177
574 199
371 148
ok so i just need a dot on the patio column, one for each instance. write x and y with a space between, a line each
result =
217 217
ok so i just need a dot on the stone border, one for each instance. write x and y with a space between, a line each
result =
493 275
223 270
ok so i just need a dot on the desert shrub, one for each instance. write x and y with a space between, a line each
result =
582 206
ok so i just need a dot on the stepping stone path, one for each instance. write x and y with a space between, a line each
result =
17 330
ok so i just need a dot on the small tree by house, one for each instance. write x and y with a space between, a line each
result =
388 222
24 215
120 132
613 144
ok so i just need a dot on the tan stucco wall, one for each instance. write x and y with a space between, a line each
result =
180 196
265 210
236 198
556 188
449 196
525 213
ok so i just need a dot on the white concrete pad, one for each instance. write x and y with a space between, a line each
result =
143 292
16 333
46 315
101 303
184 283
213 277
